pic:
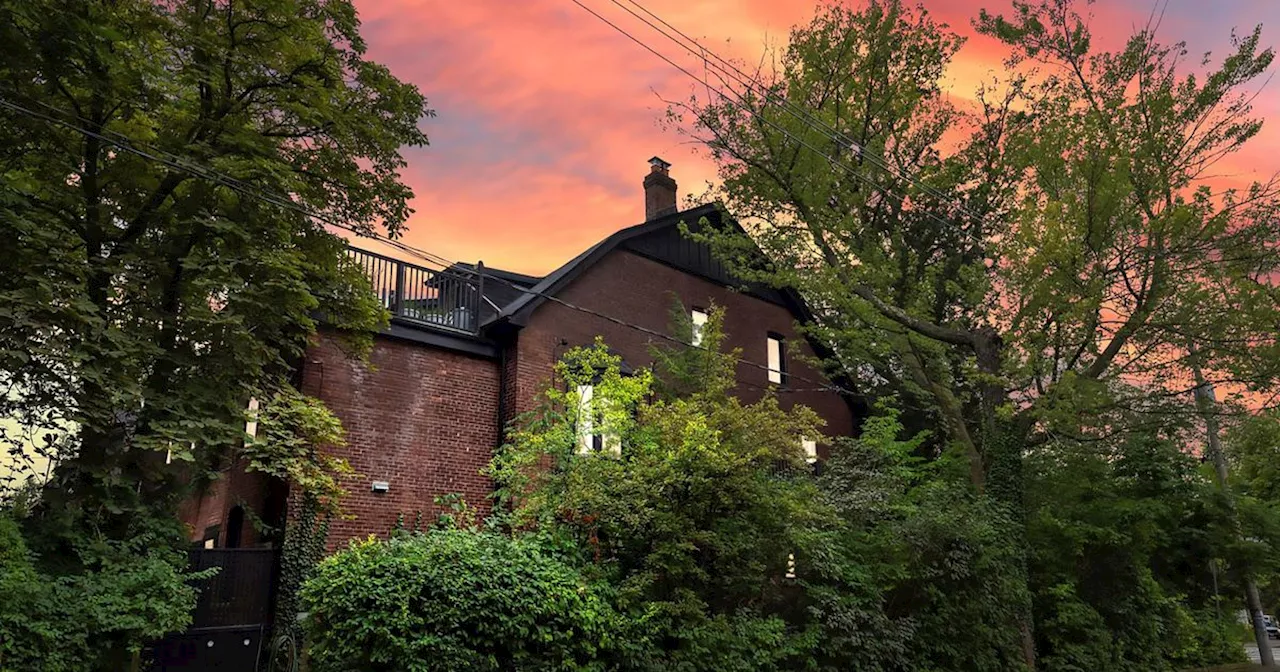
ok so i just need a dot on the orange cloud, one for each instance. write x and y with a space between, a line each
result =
546 116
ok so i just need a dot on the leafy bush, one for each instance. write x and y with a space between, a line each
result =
25 637
453 600
924 577
127 594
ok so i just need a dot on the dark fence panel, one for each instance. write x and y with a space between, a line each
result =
240 593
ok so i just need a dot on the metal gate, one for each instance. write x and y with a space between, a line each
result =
231 616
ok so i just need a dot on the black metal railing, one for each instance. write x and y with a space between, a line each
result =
447 299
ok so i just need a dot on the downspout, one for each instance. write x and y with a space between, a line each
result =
502 396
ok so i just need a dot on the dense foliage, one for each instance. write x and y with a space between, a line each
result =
146 299
453 600
699 539
1045 266
691 515
126 593
1126 541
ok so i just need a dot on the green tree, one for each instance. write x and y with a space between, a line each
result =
692 517
143 305
1034 268
1252 445
1126 538
926 572
724 552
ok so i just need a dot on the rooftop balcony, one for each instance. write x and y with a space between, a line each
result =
447 300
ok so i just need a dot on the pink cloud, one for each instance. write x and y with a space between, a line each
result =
546 116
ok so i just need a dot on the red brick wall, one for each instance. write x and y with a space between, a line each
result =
419 417
424 419
233 487
637 289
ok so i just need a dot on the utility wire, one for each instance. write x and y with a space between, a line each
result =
902 200
177 163
183 165
797 111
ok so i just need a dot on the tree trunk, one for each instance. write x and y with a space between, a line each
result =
1002 444
1206 403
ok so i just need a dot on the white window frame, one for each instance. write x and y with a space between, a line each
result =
251 425
775 357
589 439
586 423
810 449
698 318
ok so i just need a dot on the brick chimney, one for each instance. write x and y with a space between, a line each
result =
659 190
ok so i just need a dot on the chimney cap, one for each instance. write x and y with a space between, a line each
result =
659 164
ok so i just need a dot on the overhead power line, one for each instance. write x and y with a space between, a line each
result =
181 164
739 101
695 47
184 165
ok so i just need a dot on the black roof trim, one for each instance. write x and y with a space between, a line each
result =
417 333
512 276
518 311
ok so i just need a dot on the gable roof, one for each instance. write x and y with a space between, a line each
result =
647 240
656 240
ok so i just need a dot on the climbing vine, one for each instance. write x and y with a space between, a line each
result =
304 546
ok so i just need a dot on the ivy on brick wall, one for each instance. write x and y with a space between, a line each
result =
304 546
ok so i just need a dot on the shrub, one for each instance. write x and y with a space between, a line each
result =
453 600
25 637
126 594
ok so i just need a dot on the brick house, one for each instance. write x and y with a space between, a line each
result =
468 349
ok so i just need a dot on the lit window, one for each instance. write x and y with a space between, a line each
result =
590 438
810 448
586 435
777 361
251 426
791 565
699 319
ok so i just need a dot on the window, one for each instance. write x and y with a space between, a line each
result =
251 425
810 448
586 437
590 437
699 318
791 565
776 359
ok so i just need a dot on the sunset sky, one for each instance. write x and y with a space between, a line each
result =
546 116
